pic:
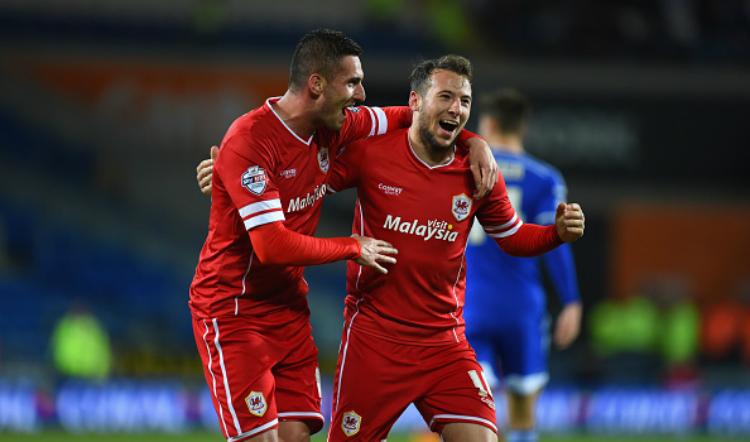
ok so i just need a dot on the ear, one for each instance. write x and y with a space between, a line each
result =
316 83
415 101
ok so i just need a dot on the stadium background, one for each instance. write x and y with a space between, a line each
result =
106 108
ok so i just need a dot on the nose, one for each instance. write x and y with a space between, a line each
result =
359 93
455 107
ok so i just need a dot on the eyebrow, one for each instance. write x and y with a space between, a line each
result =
448 91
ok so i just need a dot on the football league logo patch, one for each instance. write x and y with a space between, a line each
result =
323 159
350 423
254 180
461 207
256 403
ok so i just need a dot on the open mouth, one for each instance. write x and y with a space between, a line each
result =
348 105
447 125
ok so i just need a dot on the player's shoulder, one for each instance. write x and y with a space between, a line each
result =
256 125
258 121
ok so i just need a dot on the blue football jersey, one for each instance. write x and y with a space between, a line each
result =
501 288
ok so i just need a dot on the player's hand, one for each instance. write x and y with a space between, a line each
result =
570 221
205 171
568 325
375 252
483 166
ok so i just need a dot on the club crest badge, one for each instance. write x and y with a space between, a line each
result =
350 423
324 160
254 180
256 403
461 207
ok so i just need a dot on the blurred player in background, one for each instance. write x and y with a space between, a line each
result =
250 314
403 341
505 309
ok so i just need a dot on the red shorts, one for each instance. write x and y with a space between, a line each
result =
377 379
259 376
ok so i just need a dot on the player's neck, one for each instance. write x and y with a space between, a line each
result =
512 143
431 155
297 113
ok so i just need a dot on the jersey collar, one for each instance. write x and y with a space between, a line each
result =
275 99
447 162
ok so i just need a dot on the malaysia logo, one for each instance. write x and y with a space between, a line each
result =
323 159
350 423
254 180
256 403
461 207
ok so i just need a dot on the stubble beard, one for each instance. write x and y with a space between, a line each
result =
430 141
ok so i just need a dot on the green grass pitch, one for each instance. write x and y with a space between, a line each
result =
52 436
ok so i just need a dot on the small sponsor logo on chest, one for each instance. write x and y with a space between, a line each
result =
389 189
289 173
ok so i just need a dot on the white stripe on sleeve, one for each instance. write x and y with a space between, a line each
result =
266 218
507 232
382 120
260 206
373 120
490 229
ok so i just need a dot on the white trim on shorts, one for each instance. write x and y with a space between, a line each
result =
303 414
254 431
456 418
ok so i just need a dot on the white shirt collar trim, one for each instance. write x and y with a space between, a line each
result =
268 103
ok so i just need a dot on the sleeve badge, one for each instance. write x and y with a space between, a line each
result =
254 179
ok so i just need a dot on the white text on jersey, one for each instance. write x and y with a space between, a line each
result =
435 228
390 190
303 202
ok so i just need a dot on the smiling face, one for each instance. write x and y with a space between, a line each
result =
343 90
443 110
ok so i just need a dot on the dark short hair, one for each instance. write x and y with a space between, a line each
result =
508 107
420 75
319 51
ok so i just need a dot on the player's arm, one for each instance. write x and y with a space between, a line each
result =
274 244
481 162
257 200
561 269
517 238
369 121
560 265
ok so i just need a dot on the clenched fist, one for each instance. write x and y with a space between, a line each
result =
569 221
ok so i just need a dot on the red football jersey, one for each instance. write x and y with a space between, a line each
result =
426 212
266 173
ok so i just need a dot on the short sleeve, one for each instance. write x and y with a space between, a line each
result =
496 213
246 171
